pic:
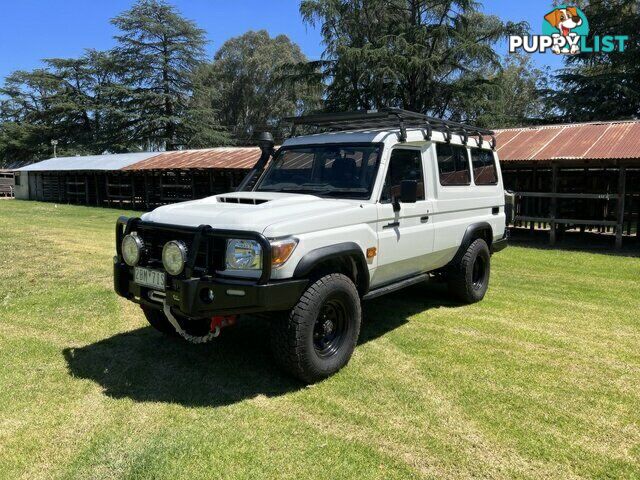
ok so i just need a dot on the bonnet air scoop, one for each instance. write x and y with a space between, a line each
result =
242 200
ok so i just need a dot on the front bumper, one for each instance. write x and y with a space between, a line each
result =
199 291
191 297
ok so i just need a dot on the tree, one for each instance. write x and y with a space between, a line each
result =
508 97
85 105
28 114
159 50
602 85
73 101
250 85
421 55
202 119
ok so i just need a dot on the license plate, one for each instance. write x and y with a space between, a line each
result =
149 278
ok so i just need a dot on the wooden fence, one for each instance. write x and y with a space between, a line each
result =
595 199
139 190
7 184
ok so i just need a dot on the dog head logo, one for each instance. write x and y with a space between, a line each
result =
565 31
566 25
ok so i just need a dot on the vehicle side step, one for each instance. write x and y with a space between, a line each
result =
396 286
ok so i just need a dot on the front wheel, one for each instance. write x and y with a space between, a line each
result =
318 336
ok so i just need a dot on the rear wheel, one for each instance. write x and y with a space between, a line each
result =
318 336
469 277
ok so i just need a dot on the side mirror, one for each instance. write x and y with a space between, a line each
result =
409 191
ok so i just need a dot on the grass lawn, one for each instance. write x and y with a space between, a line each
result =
540 380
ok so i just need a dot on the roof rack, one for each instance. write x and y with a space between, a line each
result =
391 118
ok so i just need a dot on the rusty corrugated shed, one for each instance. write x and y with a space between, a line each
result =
597 141
582 141
216 158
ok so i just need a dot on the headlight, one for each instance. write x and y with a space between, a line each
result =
174 256
243 255
132 247
281 250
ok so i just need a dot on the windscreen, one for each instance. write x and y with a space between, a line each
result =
344 170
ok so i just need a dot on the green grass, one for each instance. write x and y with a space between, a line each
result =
540 380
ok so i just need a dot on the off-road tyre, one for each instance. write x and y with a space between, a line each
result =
317 337
468 277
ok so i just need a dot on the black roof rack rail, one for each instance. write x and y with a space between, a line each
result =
390 118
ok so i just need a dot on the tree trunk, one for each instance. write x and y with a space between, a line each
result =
170 127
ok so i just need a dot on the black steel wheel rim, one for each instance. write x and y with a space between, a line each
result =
479 272
330 327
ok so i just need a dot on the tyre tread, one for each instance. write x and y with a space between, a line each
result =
287 330
459 284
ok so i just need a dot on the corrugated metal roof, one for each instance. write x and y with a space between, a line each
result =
580 141
223 157
115 161
597 140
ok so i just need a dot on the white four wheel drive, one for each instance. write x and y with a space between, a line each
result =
380 201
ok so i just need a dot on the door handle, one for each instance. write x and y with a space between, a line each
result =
424 218
392 225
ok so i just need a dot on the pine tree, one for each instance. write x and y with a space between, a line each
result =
159 51
603 85
421 55
72 100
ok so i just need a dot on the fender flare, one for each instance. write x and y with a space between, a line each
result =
473 231
340 250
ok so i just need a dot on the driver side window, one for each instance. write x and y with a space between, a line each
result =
404 164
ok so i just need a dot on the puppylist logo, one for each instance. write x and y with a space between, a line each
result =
564 32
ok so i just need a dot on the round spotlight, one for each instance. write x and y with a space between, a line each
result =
174 257
132 248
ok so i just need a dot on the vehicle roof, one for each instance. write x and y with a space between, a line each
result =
389 137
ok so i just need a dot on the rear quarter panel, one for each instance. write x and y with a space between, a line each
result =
457 207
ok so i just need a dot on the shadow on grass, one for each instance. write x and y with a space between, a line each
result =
144 365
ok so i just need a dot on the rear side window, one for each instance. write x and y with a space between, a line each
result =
404 165
484 167
453 165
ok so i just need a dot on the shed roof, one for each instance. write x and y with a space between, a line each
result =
222 157
580 141
115 161
216 158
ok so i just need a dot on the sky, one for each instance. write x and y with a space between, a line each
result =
36 29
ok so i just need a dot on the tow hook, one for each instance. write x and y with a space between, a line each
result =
218 322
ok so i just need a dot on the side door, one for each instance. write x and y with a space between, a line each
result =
405 238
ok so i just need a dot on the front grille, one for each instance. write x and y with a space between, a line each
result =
209 257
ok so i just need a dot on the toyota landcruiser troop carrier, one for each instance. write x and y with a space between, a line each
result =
381 200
